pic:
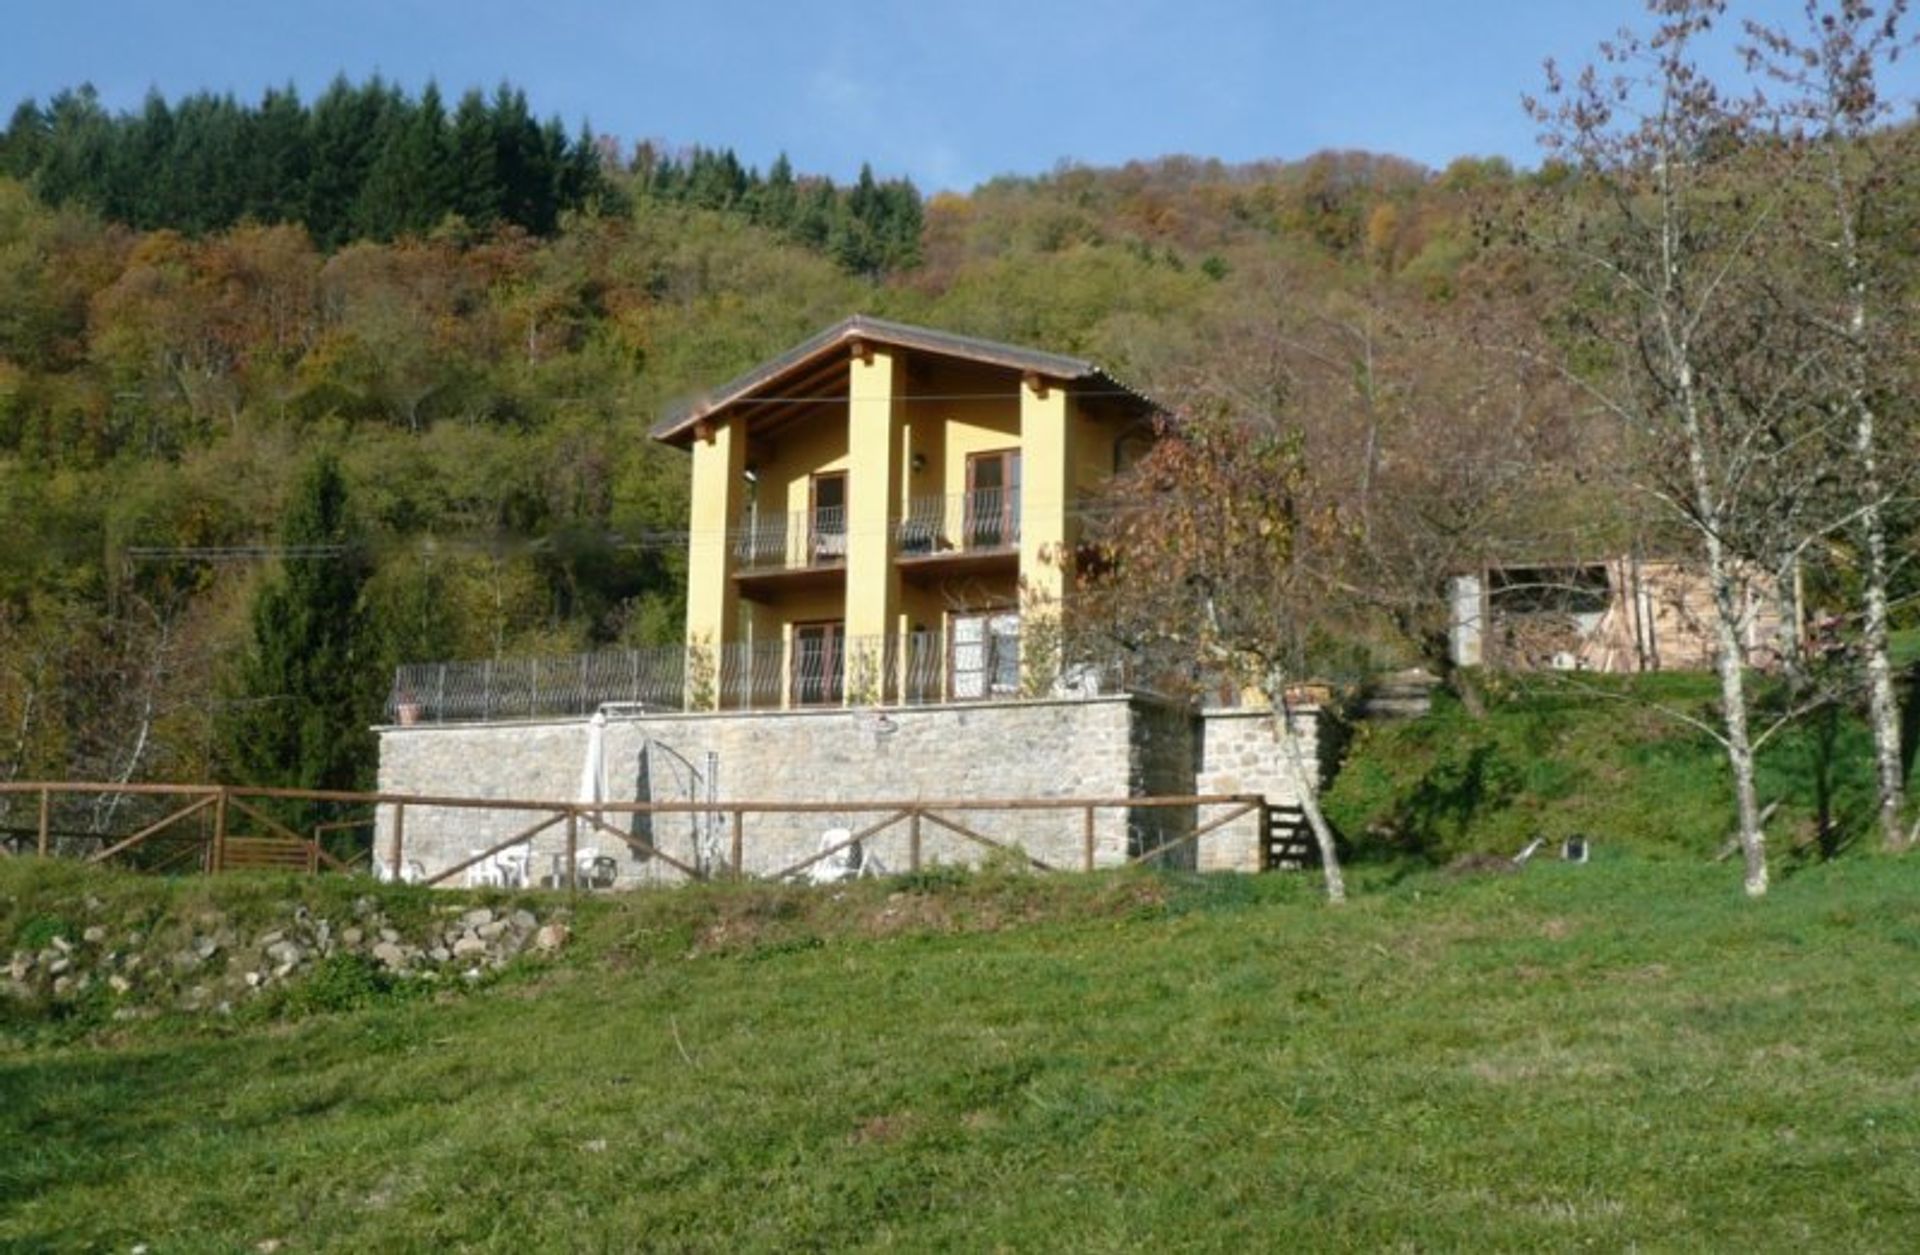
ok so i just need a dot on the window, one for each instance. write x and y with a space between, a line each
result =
993 499
827 518
985 655
819 665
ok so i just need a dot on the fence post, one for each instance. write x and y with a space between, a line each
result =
1086 840
399 835
220 830
45 841
573 848
913 841
739 846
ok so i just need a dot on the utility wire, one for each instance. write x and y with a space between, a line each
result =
647 541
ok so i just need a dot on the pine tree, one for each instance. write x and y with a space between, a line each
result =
474 176
345 121
278 159
409 185
776 201
144 182
78 150
24 145
307 688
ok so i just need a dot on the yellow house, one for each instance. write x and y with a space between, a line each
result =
874 509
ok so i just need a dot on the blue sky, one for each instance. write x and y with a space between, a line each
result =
949 93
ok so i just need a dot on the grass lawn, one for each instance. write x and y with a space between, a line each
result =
1626 1054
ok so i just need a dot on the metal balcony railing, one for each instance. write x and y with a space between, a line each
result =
527 688
814 669
983 522
830 670
778 542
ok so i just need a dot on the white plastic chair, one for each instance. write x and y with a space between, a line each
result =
850 863
515 867
594 870
484 874
412 872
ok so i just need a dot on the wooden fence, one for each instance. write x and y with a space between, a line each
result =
236 831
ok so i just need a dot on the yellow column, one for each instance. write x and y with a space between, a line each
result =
1046 496
713 604
874 408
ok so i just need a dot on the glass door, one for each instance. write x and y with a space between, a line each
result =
993 499
984 660
818 664
827 518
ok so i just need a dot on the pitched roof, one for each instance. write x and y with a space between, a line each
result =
678 422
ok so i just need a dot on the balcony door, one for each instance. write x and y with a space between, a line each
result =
819 663
827 519
984 661
993 499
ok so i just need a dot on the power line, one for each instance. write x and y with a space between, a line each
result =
655 541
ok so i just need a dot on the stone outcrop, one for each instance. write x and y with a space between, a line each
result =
209 962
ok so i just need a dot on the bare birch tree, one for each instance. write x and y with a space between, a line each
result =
1833 112
1675 244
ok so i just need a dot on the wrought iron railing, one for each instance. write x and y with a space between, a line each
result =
812 668
776 542
528 688
984 521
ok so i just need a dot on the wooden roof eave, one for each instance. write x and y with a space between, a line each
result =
822 352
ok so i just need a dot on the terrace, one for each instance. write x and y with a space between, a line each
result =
976 662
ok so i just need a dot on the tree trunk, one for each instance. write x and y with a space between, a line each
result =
1882 703
1306 786
1708 516
1729 614
1733 701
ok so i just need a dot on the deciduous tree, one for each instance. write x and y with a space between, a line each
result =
1195 571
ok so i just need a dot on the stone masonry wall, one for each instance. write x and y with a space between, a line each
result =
1240 752
1096 747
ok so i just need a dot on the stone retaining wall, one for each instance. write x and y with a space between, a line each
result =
1078 748
1242 751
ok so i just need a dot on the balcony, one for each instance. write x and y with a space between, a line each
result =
787 551
785 542
965 533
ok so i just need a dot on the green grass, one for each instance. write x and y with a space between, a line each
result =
1624 1054
1608 764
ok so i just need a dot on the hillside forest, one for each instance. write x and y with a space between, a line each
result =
409 351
